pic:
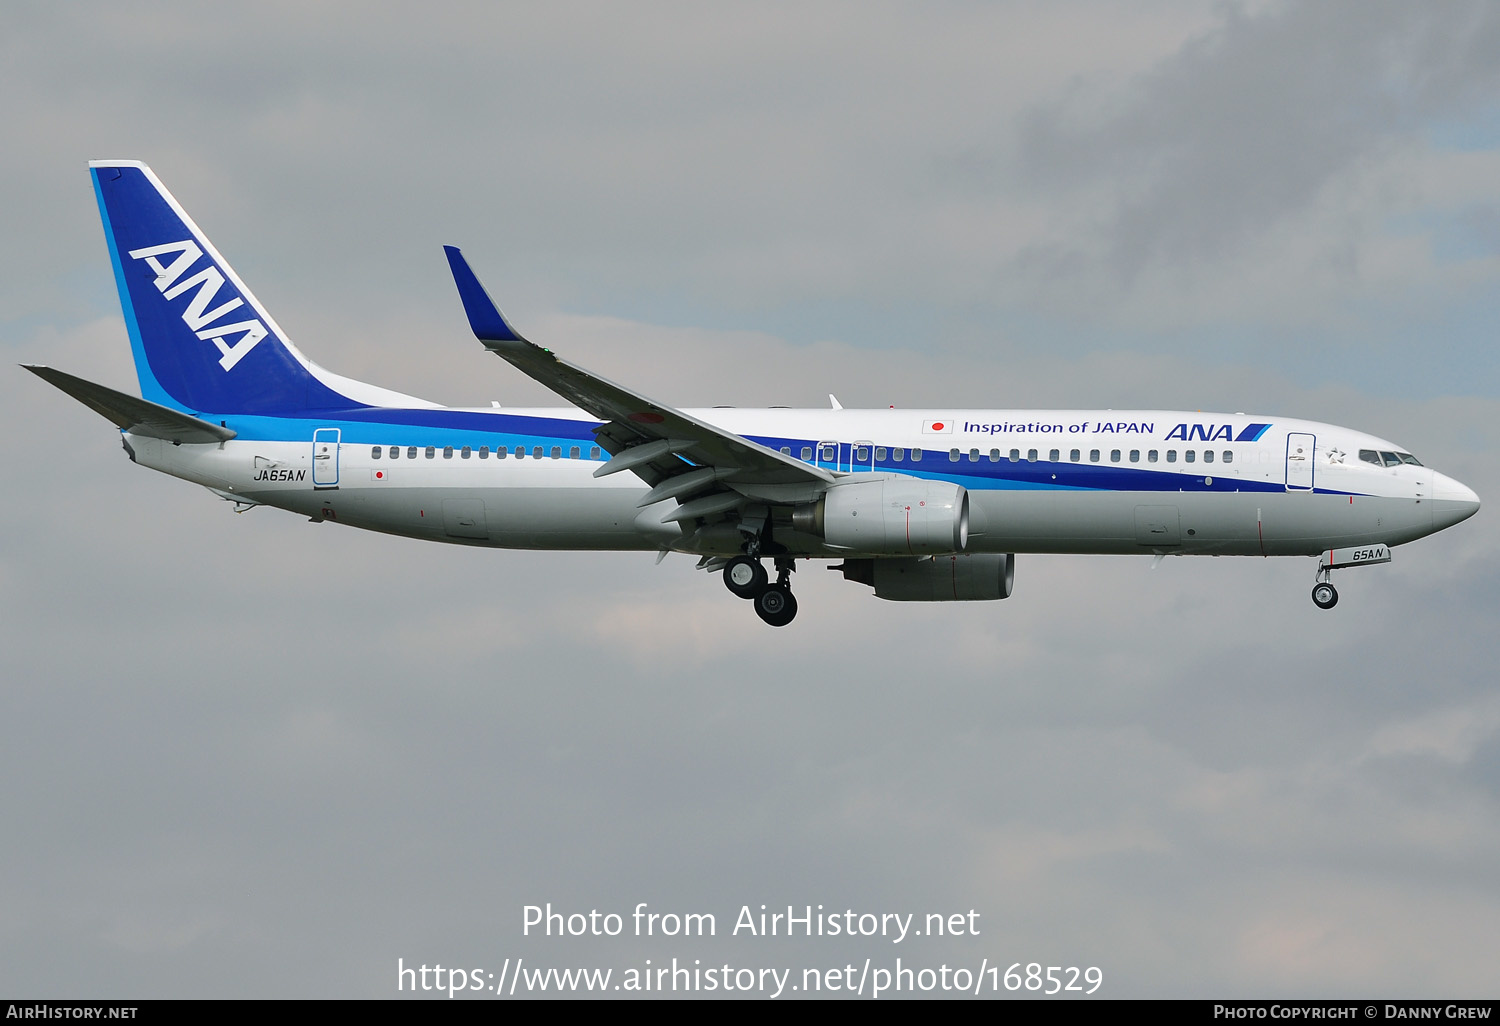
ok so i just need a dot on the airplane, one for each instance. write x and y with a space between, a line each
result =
924 505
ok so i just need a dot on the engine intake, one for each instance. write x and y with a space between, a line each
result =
955 578
898 515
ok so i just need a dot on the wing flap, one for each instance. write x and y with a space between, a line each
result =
129 413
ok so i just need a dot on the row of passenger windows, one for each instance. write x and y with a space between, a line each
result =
829 454
537 452
1388 459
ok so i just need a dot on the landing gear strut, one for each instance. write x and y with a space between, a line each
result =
1325 595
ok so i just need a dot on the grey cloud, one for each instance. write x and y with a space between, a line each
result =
1251 122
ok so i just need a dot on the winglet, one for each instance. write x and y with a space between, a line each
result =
485 318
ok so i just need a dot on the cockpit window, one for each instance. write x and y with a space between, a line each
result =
1388 459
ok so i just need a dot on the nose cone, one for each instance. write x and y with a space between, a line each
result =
1452 501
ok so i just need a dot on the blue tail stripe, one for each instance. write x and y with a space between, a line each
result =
150 388
177 293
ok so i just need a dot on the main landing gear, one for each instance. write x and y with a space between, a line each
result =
746 578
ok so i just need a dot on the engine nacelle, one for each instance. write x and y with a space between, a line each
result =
899 515
955 578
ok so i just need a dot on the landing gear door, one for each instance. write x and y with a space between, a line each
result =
326 458
1299 462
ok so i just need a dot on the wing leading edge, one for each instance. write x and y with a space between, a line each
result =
653 440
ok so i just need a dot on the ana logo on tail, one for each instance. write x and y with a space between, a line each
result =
198 317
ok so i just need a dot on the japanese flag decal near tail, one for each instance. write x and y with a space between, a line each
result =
202 342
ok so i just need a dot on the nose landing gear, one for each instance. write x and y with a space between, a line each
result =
1324 594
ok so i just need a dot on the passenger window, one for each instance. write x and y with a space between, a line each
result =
536 452
411 452
1030 455
1190 455
862 454
594 452
829 453
1151 456
1093 455
880 454
1228 455
431 451
1171 455
994 455
916 455
501 452
786 450
573 453
447 452
1208 455
556 452
1055 455
952 455
466 452
807 452
1370 456
1015 455
520 452
973 455
1074 455
898 455
1135 455
484 452
1114 456
375 453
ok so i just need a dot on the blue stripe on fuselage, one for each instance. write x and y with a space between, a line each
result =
441 428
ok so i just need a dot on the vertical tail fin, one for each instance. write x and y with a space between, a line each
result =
202 341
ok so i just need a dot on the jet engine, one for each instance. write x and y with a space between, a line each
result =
954 578
899 515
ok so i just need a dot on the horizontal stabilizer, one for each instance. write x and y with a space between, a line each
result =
129 413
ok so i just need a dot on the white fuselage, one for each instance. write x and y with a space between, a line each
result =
1038 481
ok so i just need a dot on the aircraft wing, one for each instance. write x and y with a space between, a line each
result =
134 414
642 435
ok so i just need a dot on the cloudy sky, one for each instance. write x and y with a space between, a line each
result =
248 755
